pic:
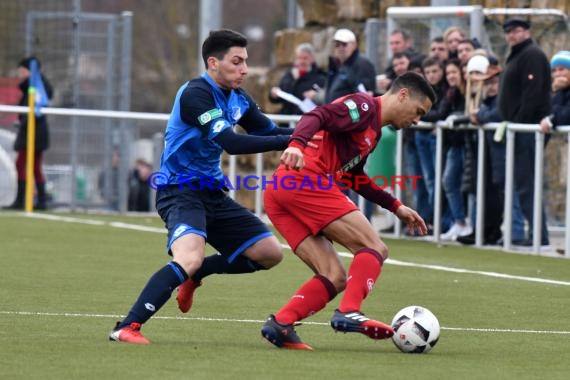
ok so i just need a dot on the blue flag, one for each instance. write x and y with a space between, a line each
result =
36 82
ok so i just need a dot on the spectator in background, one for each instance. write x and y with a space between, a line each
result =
452 36
400 42
438 49
452 107
110 193
349 71
525 98
139 189
425 139
21 143
560 64
465 50
400 63
303 80
416 64
494 167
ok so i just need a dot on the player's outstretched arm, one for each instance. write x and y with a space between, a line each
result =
235 143
412 219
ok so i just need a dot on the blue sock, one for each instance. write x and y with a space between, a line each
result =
217 263
155 294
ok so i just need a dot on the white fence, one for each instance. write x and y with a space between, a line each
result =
510 167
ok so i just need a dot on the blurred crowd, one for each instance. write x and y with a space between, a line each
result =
472 88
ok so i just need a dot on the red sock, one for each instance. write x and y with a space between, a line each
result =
362 274
310 298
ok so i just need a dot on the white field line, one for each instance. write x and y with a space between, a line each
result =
137 227
257 321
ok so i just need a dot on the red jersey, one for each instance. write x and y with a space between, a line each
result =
351 127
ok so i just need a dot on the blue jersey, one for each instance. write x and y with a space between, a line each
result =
200 113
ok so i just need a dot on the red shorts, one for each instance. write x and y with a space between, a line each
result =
301 205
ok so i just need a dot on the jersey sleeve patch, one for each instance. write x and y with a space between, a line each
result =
218 126
209 116
352 110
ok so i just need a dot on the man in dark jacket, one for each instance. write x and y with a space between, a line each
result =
525 98
303 80
41 141
349 72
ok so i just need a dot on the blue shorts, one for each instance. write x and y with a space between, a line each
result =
225 224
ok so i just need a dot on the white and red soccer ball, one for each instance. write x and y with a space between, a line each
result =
416 330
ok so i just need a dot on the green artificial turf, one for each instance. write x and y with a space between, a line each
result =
64 284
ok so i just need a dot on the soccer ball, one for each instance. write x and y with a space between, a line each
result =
416 330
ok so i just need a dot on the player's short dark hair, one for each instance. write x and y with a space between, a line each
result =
219 42
416 84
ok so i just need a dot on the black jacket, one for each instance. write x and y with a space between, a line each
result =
561 107
452 104
42 132
435 113
344 79
312 80
525 85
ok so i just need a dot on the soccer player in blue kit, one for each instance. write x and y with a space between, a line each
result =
200 127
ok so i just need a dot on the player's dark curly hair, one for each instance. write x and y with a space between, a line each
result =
416 84
219 42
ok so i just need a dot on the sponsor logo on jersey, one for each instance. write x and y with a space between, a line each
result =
218 126
179 230
236 113
352 110
351 164
364 107
209 116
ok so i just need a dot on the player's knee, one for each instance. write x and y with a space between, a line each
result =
190 264
382 249
273 254
267 253
273 258
338 279
190 261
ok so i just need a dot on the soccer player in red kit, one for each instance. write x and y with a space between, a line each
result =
309 210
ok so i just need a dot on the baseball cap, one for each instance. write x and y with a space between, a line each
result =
478 63
344 35
514 23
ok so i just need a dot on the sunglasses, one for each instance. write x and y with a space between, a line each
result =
339 44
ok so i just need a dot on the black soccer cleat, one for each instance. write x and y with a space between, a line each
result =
282 336
355 321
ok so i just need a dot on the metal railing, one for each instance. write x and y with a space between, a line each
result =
511 129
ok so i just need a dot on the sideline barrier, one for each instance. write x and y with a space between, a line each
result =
512 128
